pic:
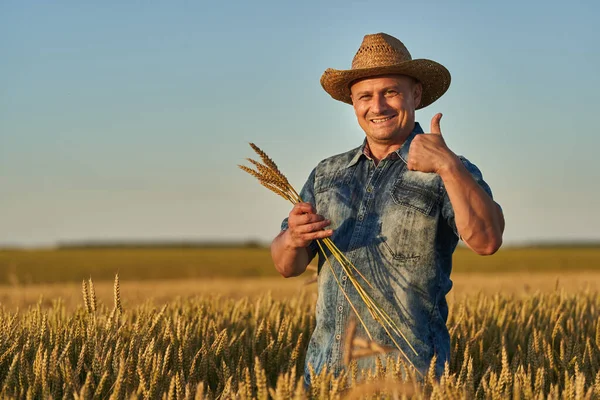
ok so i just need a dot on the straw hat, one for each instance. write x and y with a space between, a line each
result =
382 54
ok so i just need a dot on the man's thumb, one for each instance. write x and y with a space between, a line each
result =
435 124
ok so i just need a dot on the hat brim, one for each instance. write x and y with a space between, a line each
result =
434 77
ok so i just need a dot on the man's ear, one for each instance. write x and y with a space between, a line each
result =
417 93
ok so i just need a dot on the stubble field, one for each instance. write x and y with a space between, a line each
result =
524 324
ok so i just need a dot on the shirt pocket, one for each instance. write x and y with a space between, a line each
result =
420 197
409 222
334 196
332 180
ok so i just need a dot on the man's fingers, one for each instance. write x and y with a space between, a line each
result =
411 165
299 220
317 226
435 124
304 239
318 235
303 208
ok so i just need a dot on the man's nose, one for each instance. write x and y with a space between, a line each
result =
378 104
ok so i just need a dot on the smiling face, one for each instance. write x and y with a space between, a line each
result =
385 107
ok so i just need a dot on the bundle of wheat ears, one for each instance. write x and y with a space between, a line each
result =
269 175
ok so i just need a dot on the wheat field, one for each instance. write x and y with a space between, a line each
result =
534 345
34 266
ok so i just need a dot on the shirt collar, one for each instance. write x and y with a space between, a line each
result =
402 152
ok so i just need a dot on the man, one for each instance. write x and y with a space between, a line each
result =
395 206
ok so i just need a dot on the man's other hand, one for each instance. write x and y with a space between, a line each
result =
429 152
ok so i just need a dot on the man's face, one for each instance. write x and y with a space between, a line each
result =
385 107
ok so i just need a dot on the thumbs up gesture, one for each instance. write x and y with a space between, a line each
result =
428 152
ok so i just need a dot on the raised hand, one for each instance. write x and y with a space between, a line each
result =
305 225
429 152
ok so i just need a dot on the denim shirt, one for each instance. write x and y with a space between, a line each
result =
397 227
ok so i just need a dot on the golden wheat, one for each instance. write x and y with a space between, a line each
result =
545 345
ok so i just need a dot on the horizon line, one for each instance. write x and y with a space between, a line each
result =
249 243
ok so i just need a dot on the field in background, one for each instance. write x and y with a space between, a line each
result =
24 267
200 322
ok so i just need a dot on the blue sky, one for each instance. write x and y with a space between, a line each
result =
127 121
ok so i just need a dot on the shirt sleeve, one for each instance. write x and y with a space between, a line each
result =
447 209
307 194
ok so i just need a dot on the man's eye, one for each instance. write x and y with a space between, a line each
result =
365 97
391 93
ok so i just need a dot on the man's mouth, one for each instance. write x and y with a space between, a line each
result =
381 120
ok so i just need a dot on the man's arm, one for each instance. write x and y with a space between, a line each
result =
479 220
289 249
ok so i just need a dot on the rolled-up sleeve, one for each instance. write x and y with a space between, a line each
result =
447 209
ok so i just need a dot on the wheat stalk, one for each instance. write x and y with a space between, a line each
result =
269 175
117 295
86 296
92 296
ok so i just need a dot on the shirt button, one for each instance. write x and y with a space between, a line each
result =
338 337
344 278
340 308
360 217
370 189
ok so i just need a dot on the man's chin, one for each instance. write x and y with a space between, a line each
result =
387 138
384 137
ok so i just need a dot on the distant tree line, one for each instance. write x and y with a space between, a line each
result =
251 244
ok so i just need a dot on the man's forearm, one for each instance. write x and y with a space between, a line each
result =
478 218
289 261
